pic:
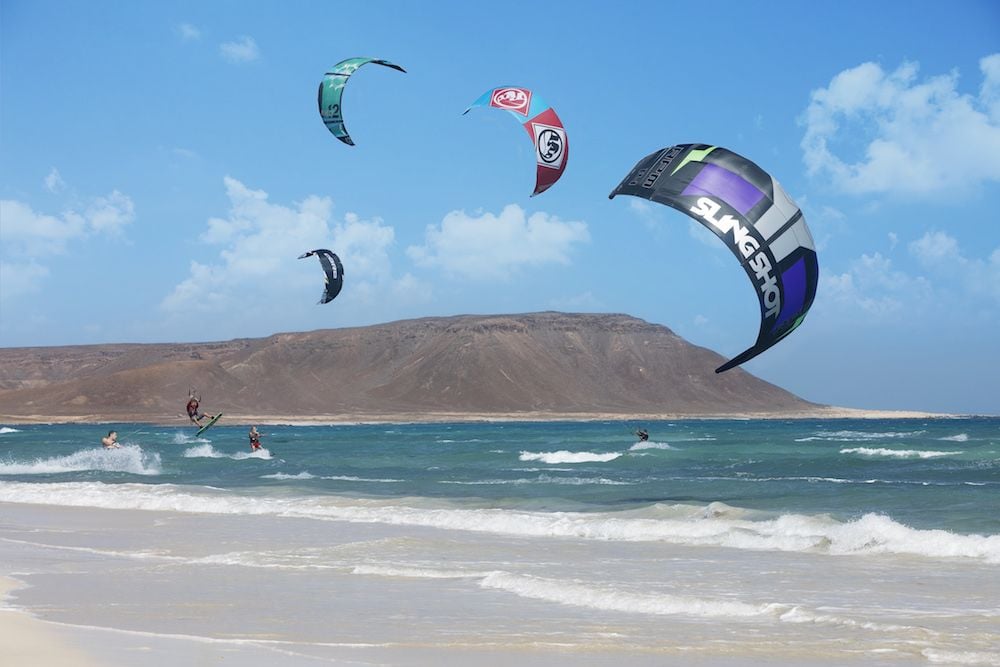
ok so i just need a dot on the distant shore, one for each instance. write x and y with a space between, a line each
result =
459 417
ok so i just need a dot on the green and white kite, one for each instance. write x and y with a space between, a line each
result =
331 92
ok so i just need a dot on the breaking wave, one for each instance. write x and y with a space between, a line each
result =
713 525
128 458
649 444
206 451
897 453
563 456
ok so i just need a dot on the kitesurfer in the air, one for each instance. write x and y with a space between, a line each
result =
254 439
110 441
194 413
643 435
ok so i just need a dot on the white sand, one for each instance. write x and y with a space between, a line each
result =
163 588
25 640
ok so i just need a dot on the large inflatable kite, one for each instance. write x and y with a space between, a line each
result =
543 126
333 270
752 214
331 92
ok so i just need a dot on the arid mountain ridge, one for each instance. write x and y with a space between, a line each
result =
537 365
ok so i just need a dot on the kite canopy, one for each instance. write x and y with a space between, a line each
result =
543 126
331 90
334 271
752 214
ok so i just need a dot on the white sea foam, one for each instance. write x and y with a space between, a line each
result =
128 458
207 451
541 479
203 451
961 437
678 524
284 475
185 439
961 657
649 444
609 599
7 429
563 456
139 555
856 436
352 478
897 453
414 572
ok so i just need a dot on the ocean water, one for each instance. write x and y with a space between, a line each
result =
803 542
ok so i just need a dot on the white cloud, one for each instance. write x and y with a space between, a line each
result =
188 32
939 252
25 232
109 214
20 278
410 289
31 234
950 287
27 236
492 246
649 214
258 265
243 50
54 182
912 136
872 284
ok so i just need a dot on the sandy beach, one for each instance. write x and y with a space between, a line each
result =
29 641
123 588
132 587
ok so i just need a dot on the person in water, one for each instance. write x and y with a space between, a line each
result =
193 410
110 441
643 435
254 439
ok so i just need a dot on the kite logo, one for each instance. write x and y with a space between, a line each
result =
512 99
661 166
749 247
550 145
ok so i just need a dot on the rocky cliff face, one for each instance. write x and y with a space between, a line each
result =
538 362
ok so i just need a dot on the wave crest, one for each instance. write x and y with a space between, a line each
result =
128 458
563 456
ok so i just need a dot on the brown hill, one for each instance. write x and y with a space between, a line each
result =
537 365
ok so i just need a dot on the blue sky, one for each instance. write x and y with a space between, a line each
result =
162 165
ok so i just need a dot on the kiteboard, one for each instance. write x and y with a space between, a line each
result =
208 425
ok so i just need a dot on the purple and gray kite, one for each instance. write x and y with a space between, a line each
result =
752 214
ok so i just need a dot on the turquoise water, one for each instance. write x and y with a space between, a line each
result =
934 474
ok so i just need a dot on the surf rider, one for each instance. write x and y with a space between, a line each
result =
194 400
110 441
254 439
643 435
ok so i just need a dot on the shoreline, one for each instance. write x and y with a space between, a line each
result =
29 640
483 417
